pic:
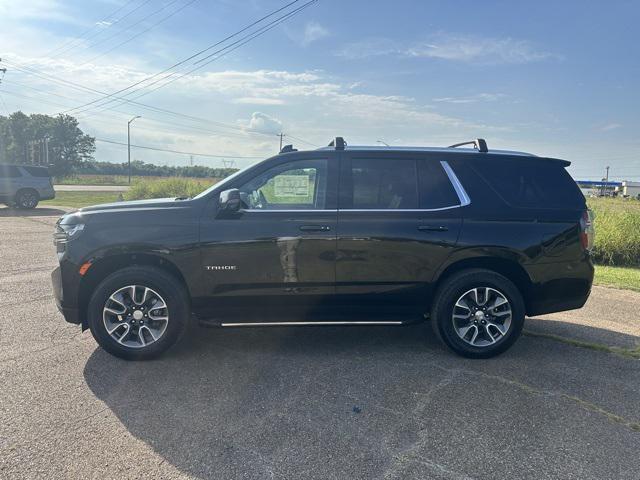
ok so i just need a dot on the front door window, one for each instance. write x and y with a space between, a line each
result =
299 185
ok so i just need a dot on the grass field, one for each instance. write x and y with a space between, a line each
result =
81 199
617 224
619 277
168 187
112 179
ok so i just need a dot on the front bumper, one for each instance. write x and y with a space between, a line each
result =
70 314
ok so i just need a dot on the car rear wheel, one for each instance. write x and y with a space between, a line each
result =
138 313
27 199
478 313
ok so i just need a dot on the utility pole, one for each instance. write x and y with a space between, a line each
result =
281 135
46 150
191 160
607 176
129 144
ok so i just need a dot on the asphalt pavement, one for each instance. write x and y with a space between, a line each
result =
308 403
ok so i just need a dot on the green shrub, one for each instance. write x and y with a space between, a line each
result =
171 187
617 224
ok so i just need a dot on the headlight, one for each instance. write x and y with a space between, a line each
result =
66 233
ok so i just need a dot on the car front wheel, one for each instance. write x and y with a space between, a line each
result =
478 313
138 313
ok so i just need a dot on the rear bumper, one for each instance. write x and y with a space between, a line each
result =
70 314
47 194
560 286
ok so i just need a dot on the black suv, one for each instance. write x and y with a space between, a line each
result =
469 239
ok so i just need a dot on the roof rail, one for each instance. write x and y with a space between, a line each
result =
288 148
338 143
479 144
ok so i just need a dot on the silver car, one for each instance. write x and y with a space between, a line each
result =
25 185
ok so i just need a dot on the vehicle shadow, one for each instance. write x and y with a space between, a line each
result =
36 212
311 402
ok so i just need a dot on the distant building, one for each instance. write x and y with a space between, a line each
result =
598 188
630 189
603 188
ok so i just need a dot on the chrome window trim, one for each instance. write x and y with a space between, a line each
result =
378 210
266 210
453 178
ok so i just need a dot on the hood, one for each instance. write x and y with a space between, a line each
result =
135 204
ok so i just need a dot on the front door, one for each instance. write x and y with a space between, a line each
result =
277 255
398 220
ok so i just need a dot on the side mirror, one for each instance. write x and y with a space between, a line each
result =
230 201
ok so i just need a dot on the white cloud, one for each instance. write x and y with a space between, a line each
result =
313 31
371 47
259 101
480 97
263 123
476 49
453 47
610 126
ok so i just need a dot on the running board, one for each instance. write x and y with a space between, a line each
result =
300 324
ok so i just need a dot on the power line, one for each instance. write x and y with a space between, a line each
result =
301 140
79 37
76 86
71 47
185 60
152 119
144 147
151 27
248 38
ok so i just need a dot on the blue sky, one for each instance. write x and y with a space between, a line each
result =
554 78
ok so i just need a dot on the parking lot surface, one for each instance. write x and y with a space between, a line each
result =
303 403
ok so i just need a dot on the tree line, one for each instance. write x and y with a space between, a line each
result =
140 168
59 142
32 139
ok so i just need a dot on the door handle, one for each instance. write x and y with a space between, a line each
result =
432 228
315 228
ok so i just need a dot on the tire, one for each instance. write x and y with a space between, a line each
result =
132 339
469 295
27 199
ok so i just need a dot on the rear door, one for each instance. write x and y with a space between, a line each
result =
399 218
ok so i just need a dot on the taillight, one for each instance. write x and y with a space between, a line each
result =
587 232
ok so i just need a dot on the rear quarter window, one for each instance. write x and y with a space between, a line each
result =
37 171
434 186
530 184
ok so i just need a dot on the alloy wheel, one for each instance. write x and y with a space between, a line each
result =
28 200
482 316
135 316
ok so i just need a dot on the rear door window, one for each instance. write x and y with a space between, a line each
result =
530 184
9 171
436 190
381 184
